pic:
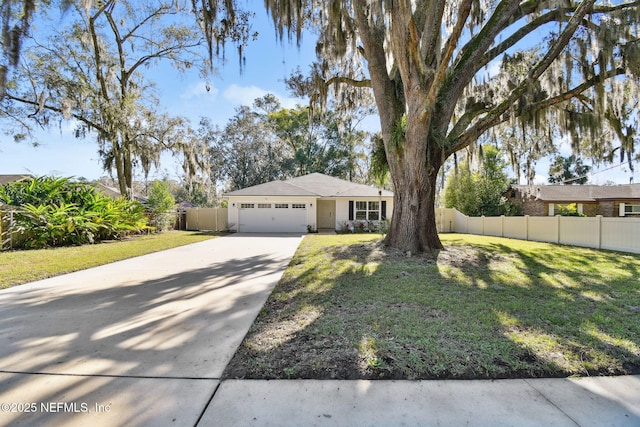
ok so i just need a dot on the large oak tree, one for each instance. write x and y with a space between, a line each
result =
428 64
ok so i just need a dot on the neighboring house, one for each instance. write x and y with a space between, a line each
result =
114 193
5 179
316 201
591 200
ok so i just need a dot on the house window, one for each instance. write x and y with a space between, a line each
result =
298 206
631 209
264 205
367 211
247 205
282 205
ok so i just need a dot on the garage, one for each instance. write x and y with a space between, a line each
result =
272 217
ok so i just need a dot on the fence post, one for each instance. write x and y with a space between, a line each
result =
526 227
501 225
558 229
599 231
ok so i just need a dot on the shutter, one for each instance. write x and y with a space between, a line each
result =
384 210
350 210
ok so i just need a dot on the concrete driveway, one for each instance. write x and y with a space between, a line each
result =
137 342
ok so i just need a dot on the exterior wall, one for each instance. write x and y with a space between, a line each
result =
529 205
234 205
342 208
626 202
592 209
608 208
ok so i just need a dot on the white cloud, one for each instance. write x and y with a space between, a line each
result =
245 95
199 89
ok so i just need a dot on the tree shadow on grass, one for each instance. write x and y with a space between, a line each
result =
476 312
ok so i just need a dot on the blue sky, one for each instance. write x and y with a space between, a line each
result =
268 63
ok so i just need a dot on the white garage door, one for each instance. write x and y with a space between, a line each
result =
273 217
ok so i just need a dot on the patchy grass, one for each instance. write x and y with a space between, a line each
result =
18 267
483 308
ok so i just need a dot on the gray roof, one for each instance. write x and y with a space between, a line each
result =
5 179
312 185
580 193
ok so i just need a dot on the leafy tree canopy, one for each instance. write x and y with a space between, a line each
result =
89 68
481 192
568 170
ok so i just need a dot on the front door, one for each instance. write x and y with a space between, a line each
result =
326 214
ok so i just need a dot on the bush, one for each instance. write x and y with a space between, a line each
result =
568 210
161 206
58 212
480 193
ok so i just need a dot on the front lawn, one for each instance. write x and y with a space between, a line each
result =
17 267
487 307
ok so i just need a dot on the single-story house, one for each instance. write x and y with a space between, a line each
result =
6 179
591 200
315 201
114 193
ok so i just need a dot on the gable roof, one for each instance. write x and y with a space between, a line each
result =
312 185
580 193
5 179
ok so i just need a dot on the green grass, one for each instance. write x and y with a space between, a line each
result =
18 267
484 308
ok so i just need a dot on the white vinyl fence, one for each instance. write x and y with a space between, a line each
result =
620 234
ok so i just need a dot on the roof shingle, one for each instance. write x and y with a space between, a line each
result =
315 185
580 193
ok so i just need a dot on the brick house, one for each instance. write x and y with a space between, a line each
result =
591 200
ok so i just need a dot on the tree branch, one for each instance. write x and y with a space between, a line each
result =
57 110
431 29
449 47
349 81
494 116
576 92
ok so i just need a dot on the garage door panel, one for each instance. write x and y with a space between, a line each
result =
272 219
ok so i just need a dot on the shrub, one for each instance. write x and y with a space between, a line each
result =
568 210
161 206
58 212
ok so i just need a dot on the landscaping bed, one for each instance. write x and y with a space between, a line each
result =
349 308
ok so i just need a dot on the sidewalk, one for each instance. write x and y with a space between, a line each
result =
144 342
603 401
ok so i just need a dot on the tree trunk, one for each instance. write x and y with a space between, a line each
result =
414 169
